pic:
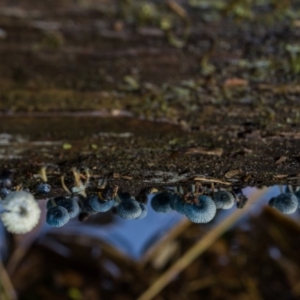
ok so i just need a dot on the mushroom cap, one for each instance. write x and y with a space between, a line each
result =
22 213
43 188
286 203
4 192
297 194
99 205
203 211
144 211
129 209
70 204
57 216
223 200
161 202
177 203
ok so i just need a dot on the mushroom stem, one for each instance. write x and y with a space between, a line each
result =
115 191
291 190
213 189
77 179
102 184
43 174
53 202
79 183
100 196
117 198
88 176
62 179
19 187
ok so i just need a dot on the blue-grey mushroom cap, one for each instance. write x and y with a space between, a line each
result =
70 204
43 188
286 203
144 211
177 203
223 200
288 189
161 202
124 196
203 211
5 182
174 198
57 216
85 206
271 201
52 202
4 192
129 209
297 194
99 205
85 209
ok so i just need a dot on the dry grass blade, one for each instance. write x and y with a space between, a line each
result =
5 283
200 150
200 284
172 234
211 180
197 249
280 218
177 8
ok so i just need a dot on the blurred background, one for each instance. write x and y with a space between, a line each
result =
153 93
248 253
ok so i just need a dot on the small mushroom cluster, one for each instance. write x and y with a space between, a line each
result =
287 202
62 209
199 206
5 184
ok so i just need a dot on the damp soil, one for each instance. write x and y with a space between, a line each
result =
147 93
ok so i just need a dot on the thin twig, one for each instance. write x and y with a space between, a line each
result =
6 284
199 150
211 180
177 8
197 250
251 286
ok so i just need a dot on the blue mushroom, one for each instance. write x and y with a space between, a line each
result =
86 210
4 192
99 205
177 203
43 188
124 196
202 211
223 200
297 194
57 216
286 203
129 209
144 211
161 202
70 204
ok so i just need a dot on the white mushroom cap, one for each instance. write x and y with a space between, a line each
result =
21 212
